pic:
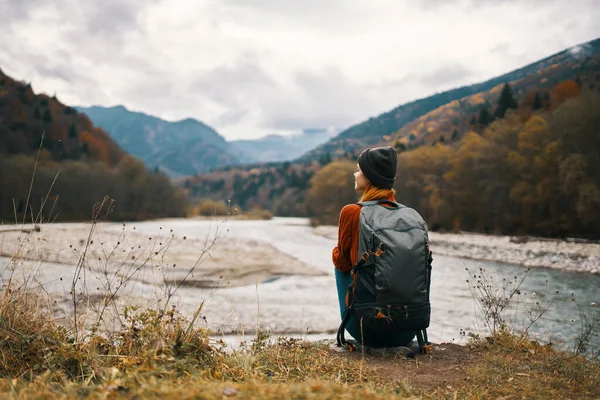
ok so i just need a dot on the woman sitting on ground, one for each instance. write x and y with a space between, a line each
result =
374 177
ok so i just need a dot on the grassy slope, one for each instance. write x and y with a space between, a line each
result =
161 356
511 367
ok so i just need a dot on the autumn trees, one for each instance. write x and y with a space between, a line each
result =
539 177
85 161
79 185
331 188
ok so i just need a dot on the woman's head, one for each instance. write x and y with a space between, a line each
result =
378 165
376 172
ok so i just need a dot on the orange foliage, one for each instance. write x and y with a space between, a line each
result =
18 112
565 90
529 99
96 148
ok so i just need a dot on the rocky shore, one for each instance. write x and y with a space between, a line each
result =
567 255
204 261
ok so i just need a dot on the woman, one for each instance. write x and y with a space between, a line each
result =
374 177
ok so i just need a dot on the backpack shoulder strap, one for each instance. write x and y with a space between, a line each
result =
367 203
390 203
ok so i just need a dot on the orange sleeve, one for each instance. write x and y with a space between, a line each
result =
343 253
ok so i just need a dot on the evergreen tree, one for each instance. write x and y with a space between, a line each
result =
547 101
325 159
455 134
72 131
485 118
47 116
400 147
537 101
473 120
505 102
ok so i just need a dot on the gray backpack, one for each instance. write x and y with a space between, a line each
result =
390 289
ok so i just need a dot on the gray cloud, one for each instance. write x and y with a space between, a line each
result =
246 66
329 16
433 4
501 48
446 74
14 11
325 98
107 17
233 116
234 84
112 17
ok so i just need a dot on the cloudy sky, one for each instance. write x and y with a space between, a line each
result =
254 67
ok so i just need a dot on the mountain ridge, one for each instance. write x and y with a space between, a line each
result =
282 187
154 140
372 130
274 147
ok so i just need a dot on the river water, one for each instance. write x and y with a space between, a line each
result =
307 306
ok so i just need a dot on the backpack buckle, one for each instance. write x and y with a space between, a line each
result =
381 315
365 255
350 347
380 249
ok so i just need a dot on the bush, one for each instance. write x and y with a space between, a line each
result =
209 208
256 214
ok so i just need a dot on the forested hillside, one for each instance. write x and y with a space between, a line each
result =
505 179
78 164
545 73
25 116
537 177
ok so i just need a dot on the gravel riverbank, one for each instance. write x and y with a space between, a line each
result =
525 251
207 259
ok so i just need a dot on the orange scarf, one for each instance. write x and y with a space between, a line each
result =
375 193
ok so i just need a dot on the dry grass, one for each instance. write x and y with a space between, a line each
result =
501 366
518 367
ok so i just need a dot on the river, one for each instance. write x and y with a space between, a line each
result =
307 305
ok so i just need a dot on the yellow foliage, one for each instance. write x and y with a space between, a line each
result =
331 188
534 136
497 89
476 99
208 208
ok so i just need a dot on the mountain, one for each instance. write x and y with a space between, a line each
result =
180 148
79 171
25 117
442 118
555 68
284 148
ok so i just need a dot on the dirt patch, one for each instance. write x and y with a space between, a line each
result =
444 368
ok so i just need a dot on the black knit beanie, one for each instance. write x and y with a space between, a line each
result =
379 166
